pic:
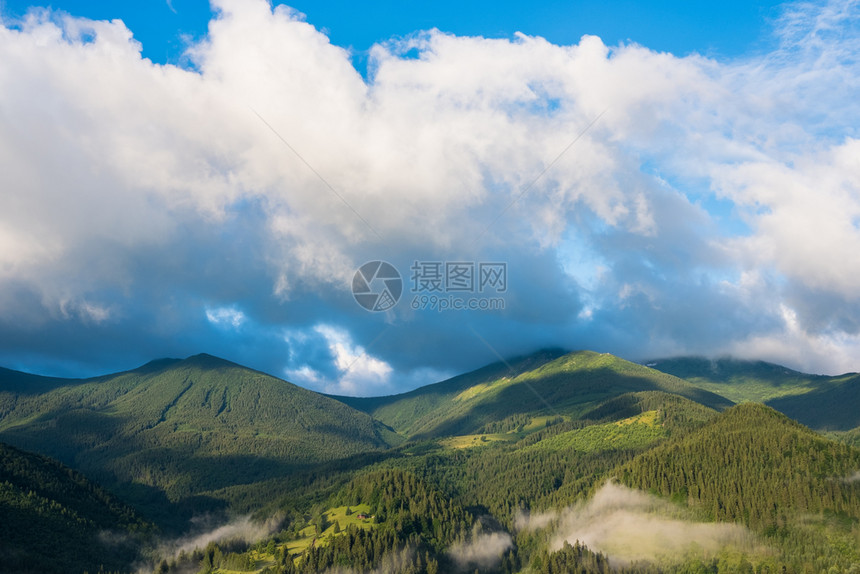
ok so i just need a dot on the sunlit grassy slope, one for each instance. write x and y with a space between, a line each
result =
541 384
635 432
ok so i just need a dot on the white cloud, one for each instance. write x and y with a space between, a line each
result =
628 525
484 549
240 528
830 351
225 317
354 370
120 175
805 215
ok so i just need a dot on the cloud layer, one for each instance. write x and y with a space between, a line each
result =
149 210
483 550
628 526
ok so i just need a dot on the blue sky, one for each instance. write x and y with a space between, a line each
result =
726 29
658 178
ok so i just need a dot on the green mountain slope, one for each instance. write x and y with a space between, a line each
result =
545 383
756 466
549 468
563 462
740 380
26 383
404 411
851 437
380 521
186 427
835 405
433 508
679 414
818 401
54 520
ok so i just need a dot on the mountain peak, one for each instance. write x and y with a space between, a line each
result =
156 365
207 361
202 361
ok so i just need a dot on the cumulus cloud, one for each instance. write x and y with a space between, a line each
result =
355 371
226 317
152 210
628 525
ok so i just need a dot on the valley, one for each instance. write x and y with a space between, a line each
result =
552 462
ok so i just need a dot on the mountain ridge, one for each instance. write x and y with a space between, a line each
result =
538 433
547 382
823 402
187 426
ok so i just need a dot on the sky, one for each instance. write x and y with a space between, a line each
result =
647 179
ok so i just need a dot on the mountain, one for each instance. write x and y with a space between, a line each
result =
851 437
753 465
548 383
788 500
834 405
183 427
55 520
678 414
26 383
819 401
492 471
739 380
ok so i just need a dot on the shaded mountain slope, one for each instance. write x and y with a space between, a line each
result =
835 405
26 383
819 401
55 520
738 379
187 426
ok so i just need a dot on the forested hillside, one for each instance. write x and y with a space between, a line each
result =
552 463
747 467
756 466
54 519
185 427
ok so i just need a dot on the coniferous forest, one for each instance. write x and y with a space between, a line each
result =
204 466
